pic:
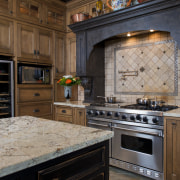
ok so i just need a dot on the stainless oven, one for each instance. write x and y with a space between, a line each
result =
137 145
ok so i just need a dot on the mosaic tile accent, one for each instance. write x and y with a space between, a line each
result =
150 68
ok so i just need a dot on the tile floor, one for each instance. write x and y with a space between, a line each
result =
119 174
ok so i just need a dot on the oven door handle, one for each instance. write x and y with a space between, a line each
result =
109 125
137 131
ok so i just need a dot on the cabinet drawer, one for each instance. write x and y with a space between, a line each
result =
35 109
64 118
64 111
30 95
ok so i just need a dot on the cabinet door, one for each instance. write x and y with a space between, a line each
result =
26 42
6 6
55 17
30 9
44 46
173 149
79 116
71 54
6 36
60 55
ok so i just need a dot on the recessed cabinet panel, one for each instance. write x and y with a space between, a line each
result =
6 6
59 59
6 36
44 46
30 9
26 42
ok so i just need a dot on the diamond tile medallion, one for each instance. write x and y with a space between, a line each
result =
146 69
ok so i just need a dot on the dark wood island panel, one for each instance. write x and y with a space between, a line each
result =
90 163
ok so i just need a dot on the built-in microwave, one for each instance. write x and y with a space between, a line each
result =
33 74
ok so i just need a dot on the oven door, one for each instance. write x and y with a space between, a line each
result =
138 145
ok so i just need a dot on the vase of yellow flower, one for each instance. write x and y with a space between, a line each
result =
68 81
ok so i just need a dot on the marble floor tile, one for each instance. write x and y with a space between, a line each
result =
119 174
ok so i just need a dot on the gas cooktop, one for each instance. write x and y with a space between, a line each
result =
163 108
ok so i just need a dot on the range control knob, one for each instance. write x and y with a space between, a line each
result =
132 118
117 114
90 112
138 117
102 113
145 119
124 117
97 113
155 120
109 113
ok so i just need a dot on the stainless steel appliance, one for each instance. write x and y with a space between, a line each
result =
33 74
137 144
6 89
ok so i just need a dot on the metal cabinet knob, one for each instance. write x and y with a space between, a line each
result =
36 110
63 111
36 94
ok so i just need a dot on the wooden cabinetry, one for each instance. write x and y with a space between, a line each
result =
55 17
30 10
70 114
71 53
172 148
79 116
6 7
6 36
59 55
35 101
34 44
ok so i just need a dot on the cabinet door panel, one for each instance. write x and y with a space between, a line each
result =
26 42
60 59
79 116
6 6
6 36
44 44
173 150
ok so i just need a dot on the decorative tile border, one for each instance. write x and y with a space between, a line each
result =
124 74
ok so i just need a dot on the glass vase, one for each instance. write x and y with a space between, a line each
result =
67 92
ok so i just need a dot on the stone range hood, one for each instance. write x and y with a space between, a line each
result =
161 15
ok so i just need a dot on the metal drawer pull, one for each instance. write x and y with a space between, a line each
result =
36 94
63 111
99 124
36 110
144 132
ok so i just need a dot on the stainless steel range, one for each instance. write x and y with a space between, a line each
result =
137 144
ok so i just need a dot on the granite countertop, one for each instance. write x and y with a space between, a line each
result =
72 104
27 141
172 113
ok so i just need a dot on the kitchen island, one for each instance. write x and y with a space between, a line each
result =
34 148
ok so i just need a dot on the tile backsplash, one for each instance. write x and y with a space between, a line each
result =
146 64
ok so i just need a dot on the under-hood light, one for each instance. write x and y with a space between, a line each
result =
128 34
151 30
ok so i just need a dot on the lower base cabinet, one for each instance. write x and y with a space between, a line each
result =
90 163
70 114
172 148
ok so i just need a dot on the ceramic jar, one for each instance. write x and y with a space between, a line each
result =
117 4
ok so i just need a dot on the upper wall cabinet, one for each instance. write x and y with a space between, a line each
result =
6 6
34 44
6 36
30 10
55 17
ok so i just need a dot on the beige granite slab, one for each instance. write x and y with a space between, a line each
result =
172 113
27 141
79 104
